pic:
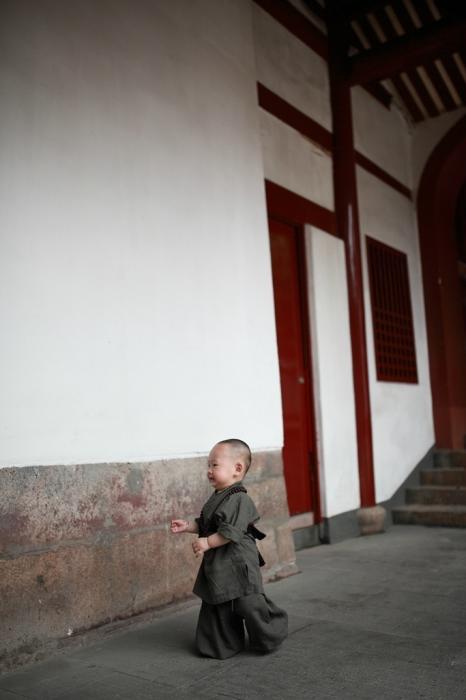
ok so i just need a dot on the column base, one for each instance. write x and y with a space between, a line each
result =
371 520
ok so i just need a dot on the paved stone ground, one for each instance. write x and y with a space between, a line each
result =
370 618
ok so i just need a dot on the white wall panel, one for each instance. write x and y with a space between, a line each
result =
402 422
136 295
290 68
332 372
382 135
293 162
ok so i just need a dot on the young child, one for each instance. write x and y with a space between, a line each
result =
229 581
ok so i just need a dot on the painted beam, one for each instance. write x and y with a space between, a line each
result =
407 52
315 132
296 23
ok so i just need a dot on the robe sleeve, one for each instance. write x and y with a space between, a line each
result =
234 516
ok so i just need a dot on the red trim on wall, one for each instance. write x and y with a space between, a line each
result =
303 29
382 174
307 126
296 210
288 114
296 23
441 183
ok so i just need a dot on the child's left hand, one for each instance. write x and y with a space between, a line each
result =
200 546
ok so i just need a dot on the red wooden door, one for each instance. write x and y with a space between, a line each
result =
288 269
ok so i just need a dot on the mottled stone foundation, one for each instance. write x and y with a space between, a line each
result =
85 545
371 520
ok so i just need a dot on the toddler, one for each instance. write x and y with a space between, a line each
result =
229 581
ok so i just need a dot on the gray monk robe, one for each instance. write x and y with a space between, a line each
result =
230 571
229 582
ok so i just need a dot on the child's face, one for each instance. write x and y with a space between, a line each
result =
224 467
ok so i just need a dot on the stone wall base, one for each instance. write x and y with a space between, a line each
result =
88 545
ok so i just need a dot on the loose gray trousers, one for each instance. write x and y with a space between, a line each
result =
220 628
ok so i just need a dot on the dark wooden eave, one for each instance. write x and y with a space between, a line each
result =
351 10
406 52
410 50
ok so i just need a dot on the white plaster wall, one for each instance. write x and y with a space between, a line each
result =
293 162
136 296
402 422
291 69
382 135
426 136
332 373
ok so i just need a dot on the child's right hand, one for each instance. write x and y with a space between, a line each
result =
177 526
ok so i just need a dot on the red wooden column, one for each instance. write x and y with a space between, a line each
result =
347 217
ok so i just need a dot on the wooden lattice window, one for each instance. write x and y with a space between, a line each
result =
392 318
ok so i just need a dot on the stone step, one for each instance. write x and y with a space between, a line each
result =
450 458
436 515
437 495
443 477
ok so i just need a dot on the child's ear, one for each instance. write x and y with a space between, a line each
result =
239 467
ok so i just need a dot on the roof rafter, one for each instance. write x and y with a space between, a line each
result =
352 10
406 52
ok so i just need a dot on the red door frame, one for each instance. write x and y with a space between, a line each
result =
296 211
303 460
309 379
441 182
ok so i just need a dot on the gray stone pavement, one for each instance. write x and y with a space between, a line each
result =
374 617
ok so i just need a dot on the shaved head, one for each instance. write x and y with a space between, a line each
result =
241 449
